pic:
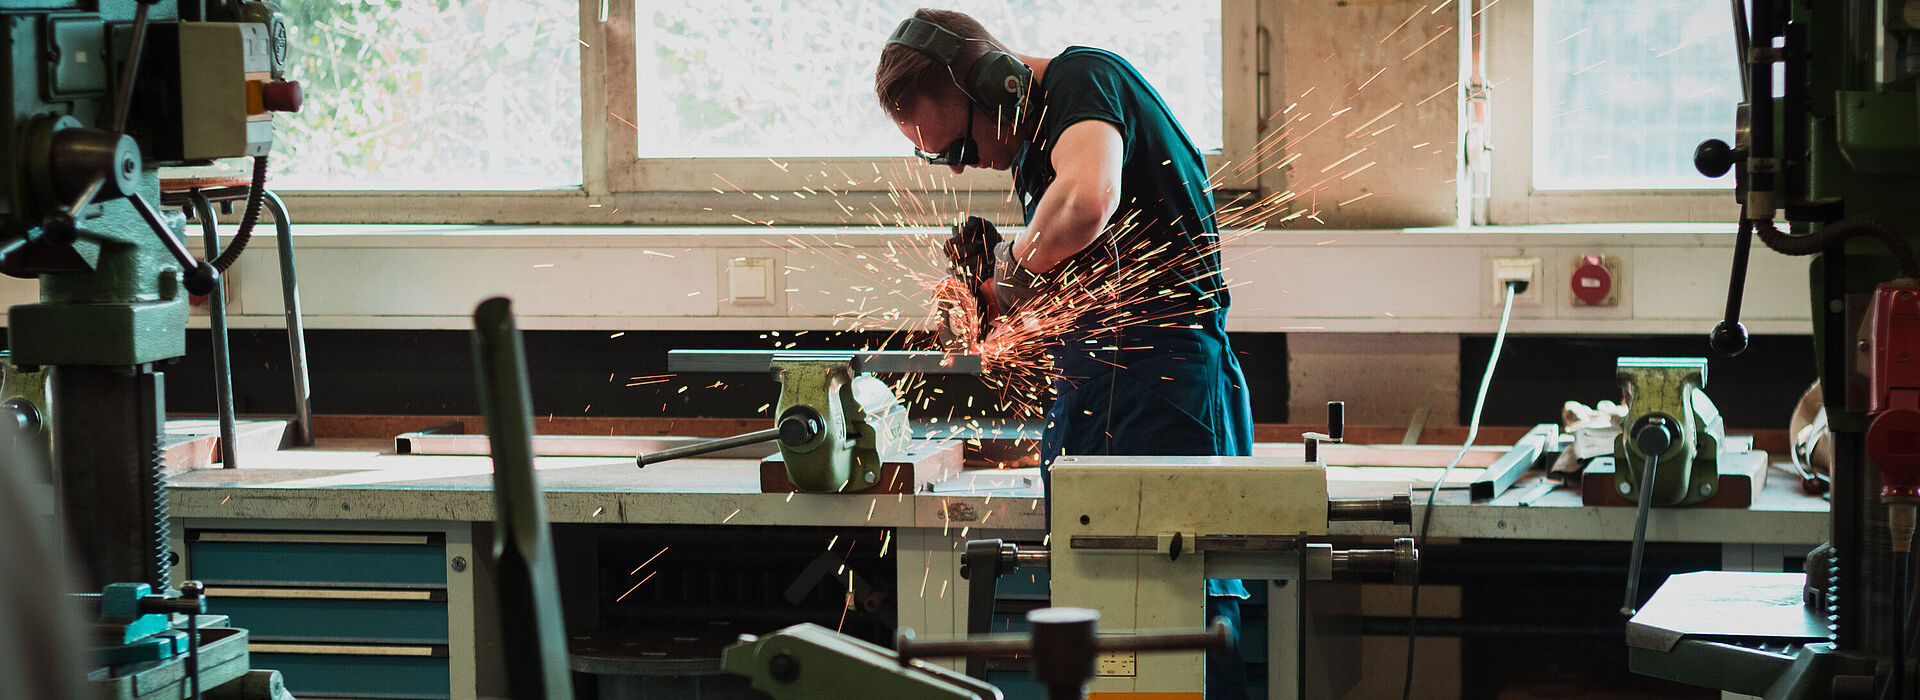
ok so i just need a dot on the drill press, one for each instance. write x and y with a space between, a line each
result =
103 94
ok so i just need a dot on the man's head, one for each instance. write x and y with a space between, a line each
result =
927 101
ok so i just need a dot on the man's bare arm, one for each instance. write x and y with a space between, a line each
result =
1084 194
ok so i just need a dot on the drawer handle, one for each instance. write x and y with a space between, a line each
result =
311 538
341 649
320 594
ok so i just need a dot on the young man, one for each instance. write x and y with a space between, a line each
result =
1116 198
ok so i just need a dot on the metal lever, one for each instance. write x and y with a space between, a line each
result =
715 445
1064 645
201 278
982 563
1653 436
1729 336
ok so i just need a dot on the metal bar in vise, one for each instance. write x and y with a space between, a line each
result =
437 443
707 447
1526 453
534 640
877 361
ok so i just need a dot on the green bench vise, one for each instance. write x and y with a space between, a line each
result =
835 423
1673 390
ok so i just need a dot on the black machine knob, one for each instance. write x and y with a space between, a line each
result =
799 427
1653 435
1713 157
1728 338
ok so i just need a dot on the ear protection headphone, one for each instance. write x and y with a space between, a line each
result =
990 77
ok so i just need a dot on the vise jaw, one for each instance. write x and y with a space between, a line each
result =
1674 389
835 422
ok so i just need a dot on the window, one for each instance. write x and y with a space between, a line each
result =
664 111
724 89
434 95
1597 105
748 78
1622 97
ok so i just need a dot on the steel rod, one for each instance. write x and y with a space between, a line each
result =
881 361
296 330
1640 536
710 446
217 312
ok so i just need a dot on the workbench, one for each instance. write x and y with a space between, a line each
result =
328 493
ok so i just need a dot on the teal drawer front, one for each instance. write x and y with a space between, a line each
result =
341 675
325 620
306 563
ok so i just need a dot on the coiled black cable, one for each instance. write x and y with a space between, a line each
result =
255 195
1837 232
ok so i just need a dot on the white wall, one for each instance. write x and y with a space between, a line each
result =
1672 279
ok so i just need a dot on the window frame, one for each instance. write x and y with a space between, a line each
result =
1512 198
618 187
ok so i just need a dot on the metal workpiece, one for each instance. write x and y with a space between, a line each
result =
1397 509
535 643
876 361
1403 561
1527 452
707 447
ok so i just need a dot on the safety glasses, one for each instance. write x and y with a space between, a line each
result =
963 151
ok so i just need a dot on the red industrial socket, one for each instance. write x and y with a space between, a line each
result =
1592 282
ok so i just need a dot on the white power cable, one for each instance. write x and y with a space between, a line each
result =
1473 431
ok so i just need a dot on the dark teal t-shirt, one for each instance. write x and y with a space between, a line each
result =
1163 234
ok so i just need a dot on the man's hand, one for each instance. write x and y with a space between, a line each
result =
970 249
1016 285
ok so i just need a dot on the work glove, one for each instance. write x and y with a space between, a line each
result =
970 250
1015 286
970 262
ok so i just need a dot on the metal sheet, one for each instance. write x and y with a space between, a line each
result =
1725 604
427 443
878 361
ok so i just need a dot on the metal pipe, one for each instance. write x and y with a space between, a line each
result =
130 69
296 330
1396 509
217 312
715 445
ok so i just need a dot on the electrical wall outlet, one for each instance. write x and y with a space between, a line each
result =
1525 270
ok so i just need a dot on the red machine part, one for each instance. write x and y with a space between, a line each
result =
281 96
1592 282
1893 439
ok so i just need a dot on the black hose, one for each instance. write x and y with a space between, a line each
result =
1833 234
255 195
